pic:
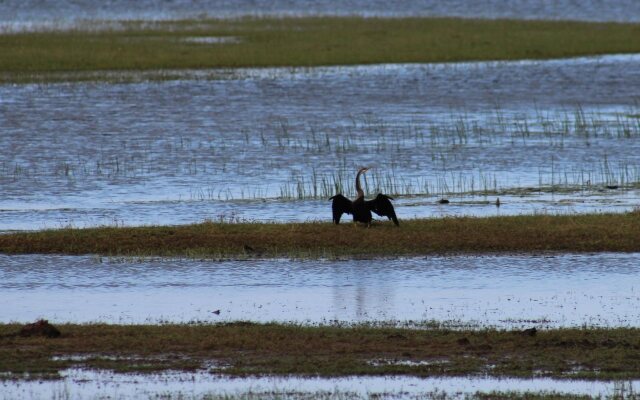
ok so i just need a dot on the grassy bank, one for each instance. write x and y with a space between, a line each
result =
265 42
246 348
569 233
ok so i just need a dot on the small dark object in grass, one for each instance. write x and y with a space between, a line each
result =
41 327
464 342
612 186
443 201
251 250
397 336
529 332
484 347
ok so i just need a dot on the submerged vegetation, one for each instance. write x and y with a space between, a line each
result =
533 233
245 348
423 157
304 42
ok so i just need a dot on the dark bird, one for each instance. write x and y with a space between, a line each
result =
361 208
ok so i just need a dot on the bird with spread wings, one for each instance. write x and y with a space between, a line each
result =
360 208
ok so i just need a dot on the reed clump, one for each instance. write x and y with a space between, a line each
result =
532 233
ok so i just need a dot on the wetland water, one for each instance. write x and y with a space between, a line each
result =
34 14
79 384
501 291
273 144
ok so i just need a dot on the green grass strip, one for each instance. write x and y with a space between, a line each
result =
533 233
246 348
304 42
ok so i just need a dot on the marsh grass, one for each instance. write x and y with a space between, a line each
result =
421 158
533 233
245 348
310 41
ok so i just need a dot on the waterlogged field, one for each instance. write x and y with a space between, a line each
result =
274 144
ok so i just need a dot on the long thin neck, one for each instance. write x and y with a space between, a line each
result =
358 187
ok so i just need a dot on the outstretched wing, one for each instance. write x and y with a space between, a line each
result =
382 206
340 206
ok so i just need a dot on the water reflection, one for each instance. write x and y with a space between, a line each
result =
503 291
81 384
363 292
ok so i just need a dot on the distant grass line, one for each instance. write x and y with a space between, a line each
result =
303 42
534 233
245 348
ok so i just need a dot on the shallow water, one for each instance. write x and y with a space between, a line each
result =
34 14
80 384
503 291
20 216
87 154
